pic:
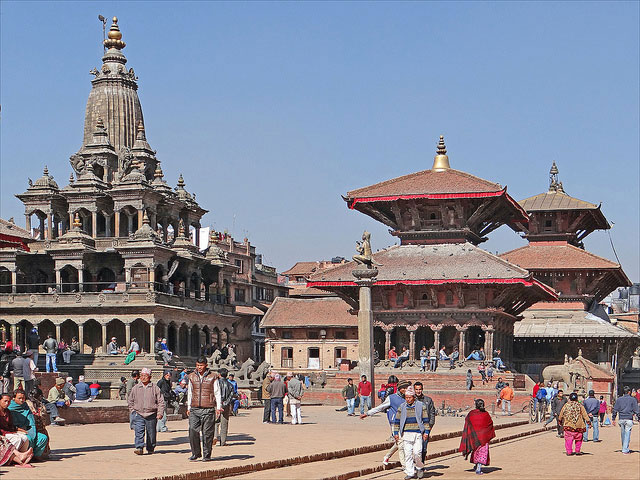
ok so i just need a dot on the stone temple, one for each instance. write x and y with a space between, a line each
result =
118 251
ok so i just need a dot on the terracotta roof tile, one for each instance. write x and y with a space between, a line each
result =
555 201
555 256
301 268
309 312
8 228
431 262
577 323
428 181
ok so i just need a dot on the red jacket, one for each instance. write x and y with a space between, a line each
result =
536 387
364 389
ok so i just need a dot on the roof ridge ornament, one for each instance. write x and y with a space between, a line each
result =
441 160
114 37
555 186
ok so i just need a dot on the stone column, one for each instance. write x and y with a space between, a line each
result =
94 224
189 348
70 220
178 349
81 336
387 342
488 342
152 338
50 225
58 281
129 224
436 336
197 236
412 341
165 225
107 225
14 281
365 278
140 215
461 344
58 333
104 338
14 334
116 225
127 334
81 279
152 279
42 227
127 276
27 223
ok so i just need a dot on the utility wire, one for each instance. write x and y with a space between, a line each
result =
612 247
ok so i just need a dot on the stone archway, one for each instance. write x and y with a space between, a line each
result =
92 334
69 279
116 328
140 331
449 338
68 330
46 327
194 337
172 337
184 339
475 339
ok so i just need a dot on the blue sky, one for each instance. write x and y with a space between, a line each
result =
273 110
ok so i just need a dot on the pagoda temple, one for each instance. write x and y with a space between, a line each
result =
437 287
558 224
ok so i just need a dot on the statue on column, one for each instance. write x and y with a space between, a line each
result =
363 248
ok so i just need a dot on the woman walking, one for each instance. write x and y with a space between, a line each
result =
602 410
469 379
574 421
478 432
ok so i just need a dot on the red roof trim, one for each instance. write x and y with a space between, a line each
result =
17 241
392 198
524 281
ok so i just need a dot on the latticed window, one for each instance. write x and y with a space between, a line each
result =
449 297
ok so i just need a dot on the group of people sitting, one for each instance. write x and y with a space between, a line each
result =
433 357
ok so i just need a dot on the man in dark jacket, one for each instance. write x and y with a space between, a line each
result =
277 389
164 384
556 405
227 396
428 413
626 406
6 357
33 343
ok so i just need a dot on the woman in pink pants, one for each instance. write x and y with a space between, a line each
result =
574 421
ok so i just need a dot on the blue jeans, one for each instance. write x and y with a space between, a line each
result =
433 363
474 356
351 405
625 433
51 357
162 423
142 424
423 362
399 362
596 430
365 401
499 362
276 404
424 448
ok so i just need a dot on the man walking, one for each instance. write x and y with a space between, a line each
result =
164 384
266 398
203 403
433 358
626 406
227 397
146 407
277 389
428 414
390 405
51 348
506 395
410 426
28 369
349 395
592 406
364 390
556 406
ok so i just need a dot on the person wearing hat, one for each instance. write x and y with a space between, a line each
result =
146 406
56 399
408 424
592 406
112 347
28 369
390 405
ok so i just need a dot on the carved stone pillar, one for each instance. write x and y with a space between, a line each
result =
412 341
488 342
70 220
50 225
42 229
104 338
27 223
387 341
58 280
152 279
365 278
178 349
127 276
81 279
461 343
107 225
14 334
189 348
58 333
116 225
152 338
196 235
81 336
140 215
436 335
129 224
165 226
94 224
127 334
14 281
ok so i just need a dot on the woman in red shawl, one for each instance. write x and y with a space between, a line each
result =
478 432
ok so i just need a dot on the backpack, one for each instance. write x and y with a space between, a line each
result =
542 394
227 395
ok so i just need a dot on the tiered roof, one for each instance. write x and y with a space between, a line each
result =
308 312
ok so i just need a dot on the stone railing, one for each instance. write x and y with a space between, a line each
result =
99 299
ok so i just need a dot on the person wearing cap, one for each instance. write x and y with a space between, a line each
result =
112 347
390 405
146 406
56 399
204 403
69 389
592 406
408 424
164 384
83 392
574 421
626 406
28 369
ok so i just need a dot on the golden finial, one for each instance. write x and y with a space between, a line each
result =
181 228
554 169
441 160
181 181
77 224
114 37
145 218
45 172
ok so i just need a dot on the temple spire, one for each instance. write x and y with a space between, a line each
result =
441 160
555 186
